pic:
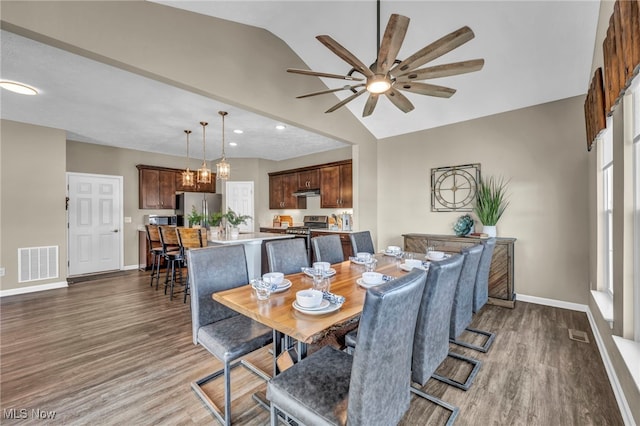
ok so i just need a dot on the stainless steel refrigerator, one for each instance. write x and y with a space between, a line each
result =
204 203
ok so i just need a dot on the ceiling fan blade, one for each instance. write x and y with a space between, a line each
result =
323 74
322 92
399 100
426 89
370 105
442 70
434 50
345 101
391 42
346 56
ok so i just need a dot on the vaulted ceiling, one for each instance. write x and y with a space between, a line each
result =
534 52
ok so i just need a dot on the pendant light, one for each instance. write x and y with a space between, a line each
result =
223 169
204 173
187 175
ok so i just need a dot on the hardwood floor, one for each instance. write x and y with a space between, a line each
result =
115 351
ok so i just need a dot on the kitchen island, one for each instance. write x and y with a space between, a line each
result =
253 247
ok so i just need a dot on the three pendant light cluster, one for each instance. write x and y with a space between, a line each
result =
223 169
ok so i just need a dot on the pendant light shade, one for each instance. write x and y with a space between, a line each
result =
204 173
223 169
187 175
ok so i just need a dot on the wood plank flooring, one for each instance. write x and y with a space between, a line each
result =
114 351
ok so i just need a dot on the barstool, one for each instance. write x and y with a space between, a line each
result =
172 255
155 249
188 238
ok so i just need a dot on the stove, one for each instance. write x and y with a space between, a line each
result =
304 231
310 222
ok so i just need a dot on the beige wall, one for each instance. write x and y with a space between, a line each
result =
32 182
541 151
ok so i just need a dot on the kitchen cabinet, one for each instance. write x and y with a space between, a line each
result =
281 188
309 179
336 186
157 188
344 240
501 280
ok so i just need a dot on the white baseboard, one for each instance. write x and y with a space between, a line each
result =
552 302
625 411
33 288
131 267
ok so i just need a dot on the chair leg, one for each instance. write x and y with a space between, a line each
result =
483 348
453 409
153 268
460 385
224 418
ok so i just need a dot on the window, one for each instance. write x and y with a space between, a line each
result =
635 90
606 157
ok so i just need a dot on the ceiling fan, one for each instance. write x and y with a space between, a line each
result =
389 76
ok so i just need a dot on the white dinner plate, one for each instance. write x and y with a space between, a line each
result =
408 268
331 272
389 253
356 261
361 283
283 286
446 256
330 307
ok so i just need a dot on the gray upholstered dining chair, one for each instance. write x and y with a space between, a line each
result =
223 332
361 242
461 313
287 256
481 294
327 248
431 341
372 387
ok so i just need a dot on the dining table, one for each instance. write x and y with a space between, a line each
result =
292 325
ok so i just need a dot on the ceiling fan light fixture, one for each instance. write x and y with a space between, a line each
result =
378 84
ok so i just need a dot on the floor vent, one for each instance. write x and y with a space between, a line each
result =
578 336
37 263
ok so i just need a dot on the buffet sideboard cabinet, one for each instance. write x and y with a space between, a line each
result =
501 285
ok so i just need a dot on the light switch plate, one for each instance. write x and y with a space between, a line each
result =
1 272
127 219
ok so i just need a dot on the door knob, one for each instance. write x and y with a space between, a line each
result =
115 230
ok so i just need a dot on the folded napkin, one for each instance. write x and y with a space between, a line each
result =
387 278
356 259
333 298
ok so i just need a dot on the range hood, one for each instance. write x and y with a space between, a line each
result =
307 193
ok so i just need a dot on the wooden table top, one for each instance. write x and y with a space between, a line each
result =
278 313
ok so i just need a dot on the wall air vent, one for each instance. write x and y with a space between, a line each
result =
37 263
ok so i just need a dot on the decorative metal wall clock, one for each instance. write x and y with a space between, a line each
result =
454 188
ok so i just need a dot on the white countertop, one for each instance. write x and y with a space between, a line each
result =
249 238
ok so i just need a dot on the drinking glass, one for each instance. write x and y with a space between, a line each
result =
399 255
319 281
370 264
430 249
262 288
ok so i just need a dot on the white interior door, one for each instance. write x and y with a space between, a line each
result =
94 215
240 200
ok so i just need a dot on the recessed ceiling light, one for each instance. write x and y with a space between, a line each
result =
233 144
238 131
280 127
17 87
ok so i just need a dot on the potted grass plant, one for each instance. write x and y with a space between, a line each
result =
234 220
491 202
195 218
